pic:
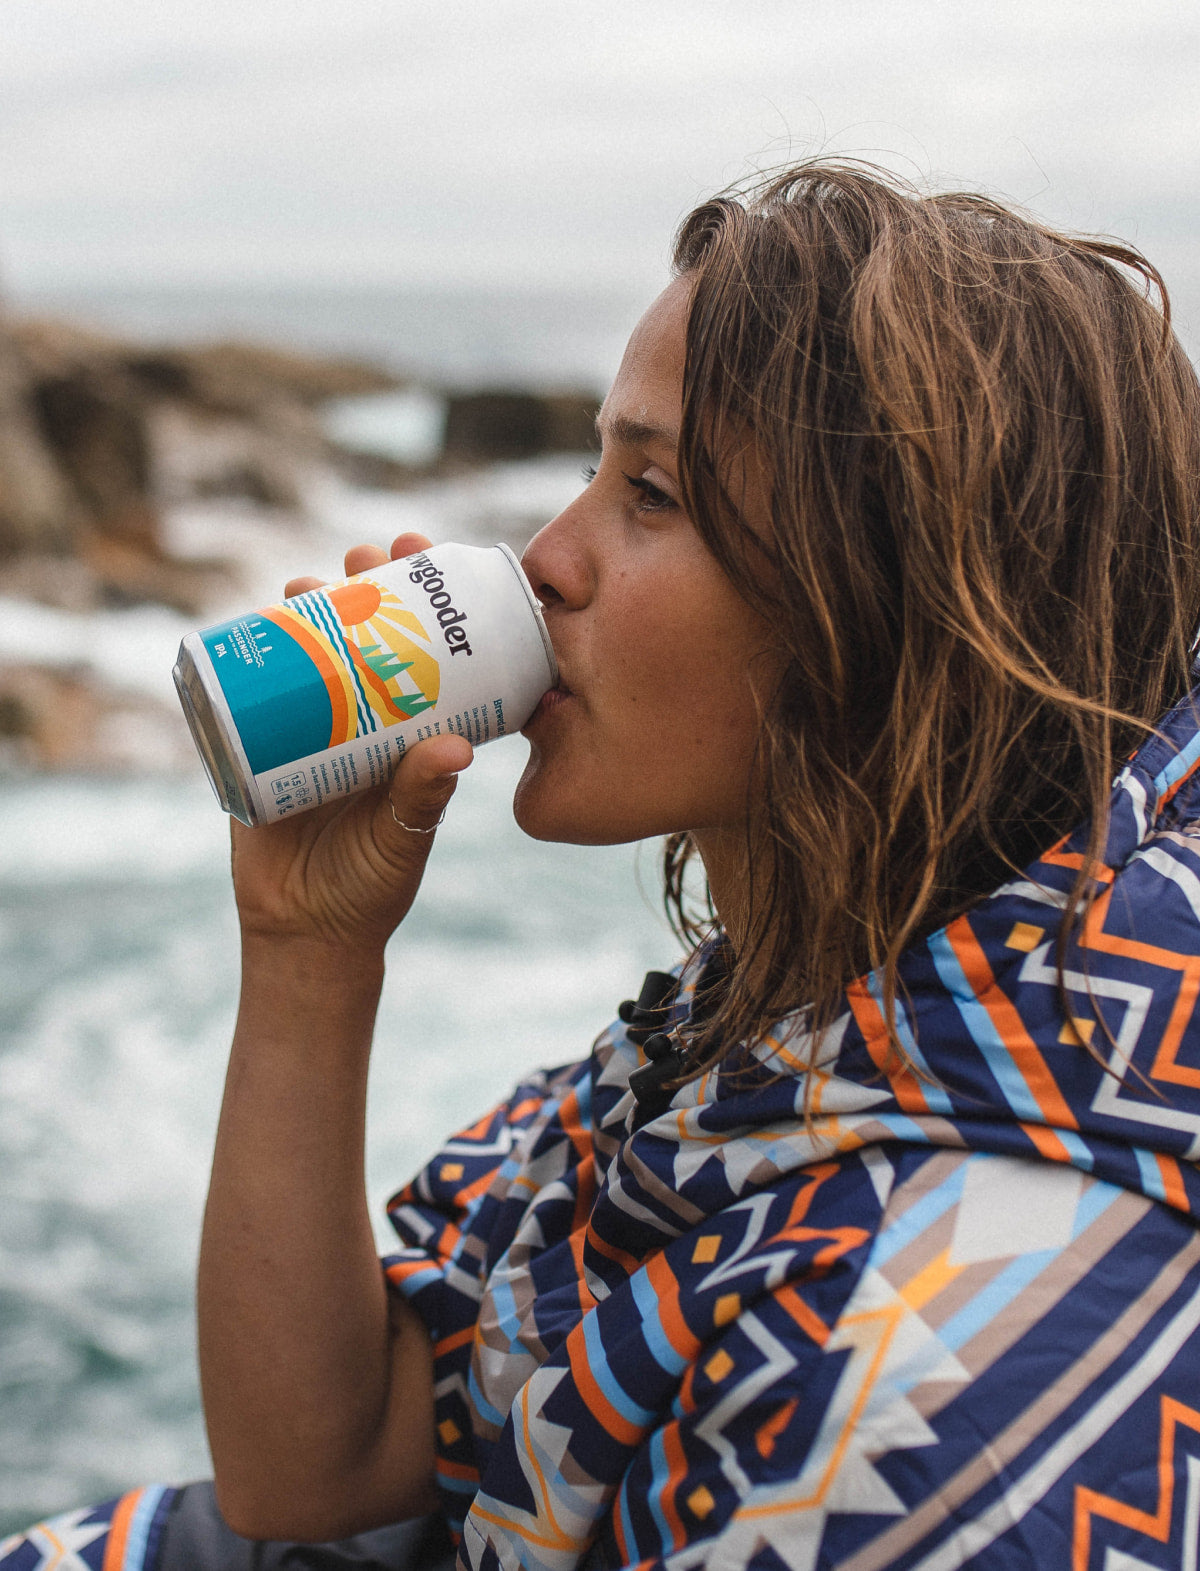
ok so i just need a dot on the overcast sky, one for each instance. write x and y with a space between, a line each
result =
302 141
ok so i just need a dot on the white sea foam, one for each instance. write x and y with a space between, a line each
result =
117 971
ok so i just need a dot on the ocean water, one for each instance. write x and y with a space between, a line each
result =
118 963
118 951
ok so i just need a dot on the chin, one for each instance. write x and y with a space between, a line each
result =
564 813
543 820
530 807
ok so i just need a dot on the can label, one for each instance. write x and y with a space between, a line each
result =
321 695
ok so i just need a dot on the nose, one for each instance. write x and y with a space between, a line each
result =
556 561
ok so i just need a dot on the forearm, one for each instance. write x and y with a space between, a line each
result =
304 1371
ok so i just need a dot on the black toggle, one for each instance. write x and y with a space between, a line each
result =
648 1082
658 1045
648 1012
644 1019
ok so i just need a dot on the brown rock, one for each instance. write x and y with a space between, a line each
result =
52 717
49 718
499 424
94 422
95 433
234 378
35 503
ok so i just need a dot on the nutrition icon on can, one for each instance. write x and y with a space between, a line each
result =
320 696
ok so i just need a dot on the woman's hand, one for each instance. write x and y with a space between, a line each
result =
346 873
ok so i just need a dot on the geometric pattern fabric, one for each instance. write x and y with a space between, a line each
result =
869 1314
857 1313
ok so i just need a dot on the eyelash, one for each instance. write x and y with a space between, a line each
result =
651 498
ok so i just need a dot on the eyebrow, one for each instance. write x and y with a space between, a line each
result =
635 433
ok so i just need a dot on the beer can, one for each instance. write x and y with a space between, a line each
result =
320 696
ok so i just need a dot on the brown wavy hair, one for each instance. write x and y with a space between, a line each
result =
976 448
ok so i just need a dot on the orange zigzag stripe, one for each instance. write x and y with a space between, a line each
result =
869 1017
1011 1029
1165 1066
1155 1524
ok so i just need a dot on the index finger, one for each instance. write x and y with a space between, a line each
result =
409 544
362 558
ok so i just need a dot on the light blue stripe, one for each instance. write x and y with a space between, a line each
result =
1093 1202
626 1519
918 1217
1178 767
139 1528
1152 1179
583 1096
1078 1149
999 1292
419 1280
935 1097
484 1408
903 1127
984 1034
660 1477
507 1318
598 1364
656 1338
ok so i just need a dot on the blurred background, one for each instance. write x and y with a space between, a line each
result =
276 277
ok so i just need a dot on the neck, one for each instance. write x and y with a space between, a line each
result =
723 852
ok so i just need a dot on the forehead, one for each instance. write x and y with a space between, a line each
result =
648 390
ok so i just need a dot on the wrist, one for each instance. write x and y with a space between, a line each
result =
312 966
316 948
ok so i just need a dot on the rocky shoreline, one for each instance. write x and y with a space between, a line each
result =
106 445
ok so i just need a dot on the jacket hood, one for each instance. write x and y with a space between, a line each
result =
1109 1085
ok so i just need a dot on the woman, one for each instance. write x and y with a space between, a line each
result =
868 1238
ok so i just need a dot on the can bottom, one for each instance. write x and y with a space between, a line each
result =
227 788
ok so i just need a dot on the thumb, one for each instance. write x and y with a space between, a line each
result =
423 783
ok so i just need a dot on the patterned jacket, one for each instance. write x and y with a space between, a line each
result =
951 1320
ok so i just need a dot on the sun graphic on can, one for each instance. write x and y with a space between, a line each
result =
398 676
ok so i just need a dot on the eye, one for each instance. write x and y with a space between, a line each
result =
651 498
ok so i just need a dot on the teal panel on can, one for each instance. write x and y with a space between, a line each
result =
277 697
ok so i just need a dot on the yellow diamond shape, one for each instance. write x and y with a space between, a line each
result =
706 1249
700 1502
450 1170
449 1431
718 1366
729 1307
1024 936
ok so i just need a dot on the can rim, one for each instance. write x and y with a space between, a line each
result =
535 605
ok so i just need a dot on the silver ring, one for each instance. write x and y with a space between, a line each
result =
409 827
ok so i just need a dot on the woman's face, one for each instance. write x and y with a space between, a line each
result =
653 726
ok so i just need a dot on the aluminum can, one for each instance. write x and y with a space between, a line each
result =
320 696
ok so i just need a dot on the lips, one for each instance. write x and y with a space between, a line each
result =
553 698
